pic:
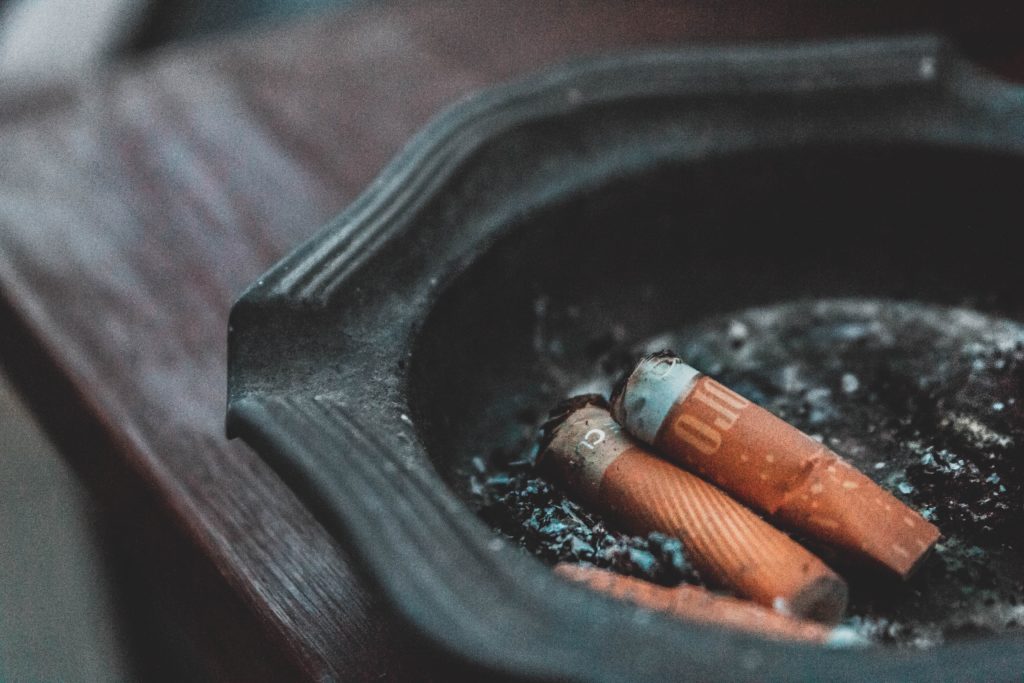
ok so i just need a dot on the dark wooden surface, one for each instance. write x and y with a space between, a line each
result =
135 205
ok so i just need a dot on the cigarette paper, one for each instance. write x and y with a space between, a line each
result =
589 453
768 464
699 605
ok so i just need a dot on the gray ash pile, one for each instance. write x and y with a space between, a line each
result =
546 522
925 400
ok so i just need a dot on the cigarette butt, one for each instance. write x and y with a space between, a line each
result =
731 546
699 605
768 464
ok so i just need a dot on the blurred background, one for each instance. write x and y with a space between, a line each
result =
68 603
44 37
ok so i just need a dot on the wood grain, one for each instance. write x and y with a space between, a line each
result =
135 205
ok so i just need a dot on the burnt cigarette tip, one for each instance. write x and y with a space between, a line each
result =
559 414
644 396
823 600
620 384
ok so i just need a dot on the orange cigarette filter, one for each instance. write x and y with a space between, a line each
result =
768 464
600 464
698 605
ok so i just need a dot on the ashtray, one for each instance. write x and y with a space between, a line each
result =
600 205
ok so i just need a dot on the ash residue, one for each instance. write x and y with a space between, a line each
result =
544 521
923 399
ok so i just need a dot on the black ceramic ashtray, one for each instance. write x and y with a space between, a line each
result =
833 230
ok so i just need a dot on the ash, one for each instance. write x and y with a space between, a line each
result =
544 521
923 399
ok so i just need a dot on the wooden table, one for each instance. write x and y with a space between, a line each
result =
137 203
